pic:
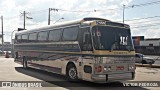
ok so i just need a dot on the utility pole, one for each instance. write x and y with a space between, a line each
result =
123 12
49 15
2 34
24 19
24 14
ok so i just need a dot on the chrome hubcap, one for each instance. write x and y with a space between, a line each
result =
72 73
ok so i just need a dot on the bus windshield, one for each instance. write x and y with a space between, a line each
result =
112 38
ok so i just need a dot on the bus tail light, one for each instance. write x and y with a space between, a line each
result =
99 68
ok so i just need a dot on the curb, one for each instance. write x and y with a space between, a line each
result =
147 65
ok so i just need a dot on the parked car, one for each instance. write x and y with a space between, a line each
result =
140 58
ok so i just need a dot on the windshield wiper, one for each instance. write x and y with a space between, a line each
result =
112 45
127 48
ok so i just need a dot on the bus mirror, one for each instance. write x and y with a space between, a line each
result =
21 29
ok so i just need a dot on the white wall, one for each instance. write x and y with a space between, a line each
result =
147 42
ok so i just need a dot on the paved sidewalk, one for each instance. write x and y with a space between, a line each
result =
147 65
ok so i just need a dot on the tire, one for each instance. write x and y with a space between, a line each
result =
72 73
25 66
144 62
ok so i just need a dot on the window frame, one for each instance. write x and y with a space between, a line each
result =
60 37
46 37
70 27
26 39
19 40
33 40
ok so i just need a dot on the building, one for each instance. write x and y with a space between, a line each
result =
149 46
150 42
6 46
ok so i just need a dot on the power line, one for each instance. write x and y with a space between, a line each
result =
11 17
39 11
143 18
140 18
100 10
144 4
156 24
144 28
32 12
94 10
143 22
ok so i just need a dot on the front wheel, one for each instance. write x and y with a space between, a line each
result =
72 73
144 62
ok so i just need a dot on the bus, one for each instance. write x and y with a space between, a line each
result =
91 49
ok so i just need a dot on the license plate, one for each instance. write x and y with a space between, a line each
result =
120 68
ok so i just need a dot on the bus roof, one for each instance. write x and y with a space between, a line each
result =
66 23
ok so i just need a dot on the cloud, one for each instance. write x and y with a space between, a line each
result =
38 9
145 27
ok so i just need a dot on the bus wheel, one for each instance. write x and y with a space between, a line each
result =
25 66
72 73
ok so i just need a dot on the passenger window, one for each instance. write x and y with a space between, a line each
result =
55 35
42 36
33 37
18 38
24 37
70 34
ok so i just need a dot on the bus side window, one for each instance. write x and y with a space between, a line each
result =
55 35
42 36
24 38
19 39
87 44
33 37
15 40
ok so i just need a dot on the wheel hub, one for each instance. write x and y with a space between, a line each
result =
72 73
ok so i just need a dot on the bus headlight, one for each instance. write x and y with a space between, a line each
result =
107 68
130 67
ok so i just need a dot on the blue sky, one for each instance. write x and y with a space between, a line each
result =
109 9
144 11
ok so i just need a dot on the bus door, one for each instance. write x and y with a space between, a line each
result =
87 49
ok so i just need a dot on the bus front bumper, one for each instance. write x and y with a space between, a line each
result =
113 77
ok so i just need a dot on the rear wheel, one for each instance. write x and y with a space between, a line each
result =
72 73
25 66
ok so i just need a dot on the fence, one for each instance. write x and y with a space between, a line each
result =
148 50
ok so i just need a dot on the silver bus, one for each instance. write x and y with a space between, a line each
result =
91 49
